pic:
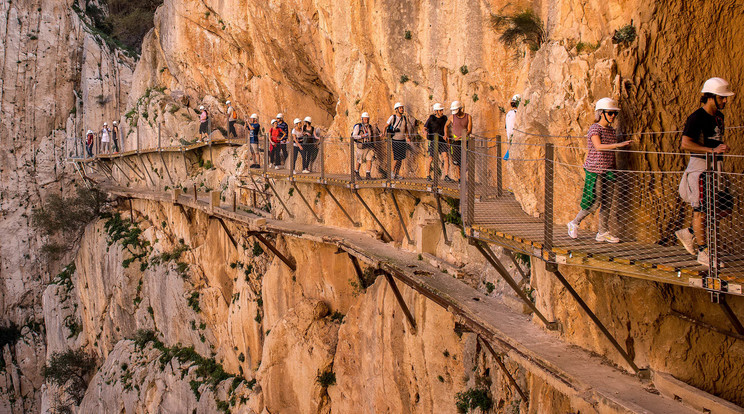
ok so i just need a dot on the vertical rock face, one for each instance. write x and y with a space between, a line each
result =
57 79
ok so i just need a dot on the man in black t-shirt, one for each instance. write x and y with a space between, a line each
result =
434 127
703 134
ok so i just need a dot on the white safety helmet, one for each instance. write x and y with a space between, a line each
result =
228 103
365 115
201 107
115 124
280 116
397 105
438 107
606 104
254 116
717 86
297 121
273 121
516 98
456 105
90 131
105 124
308 119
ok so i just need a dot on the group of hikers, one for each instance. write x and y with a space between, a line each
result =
703 134
105 136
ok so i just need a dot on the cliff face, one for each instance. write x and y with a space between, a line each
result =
57 79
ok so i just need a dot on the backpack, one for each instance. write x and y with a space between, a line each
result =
234 114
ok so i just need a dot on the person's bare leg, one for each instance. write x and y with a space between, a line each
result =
445 161
698 226
369 166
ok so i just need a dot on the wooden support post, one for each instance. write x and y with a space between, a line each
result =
307 204
131 211
369 210
227 231
401 302
488 254
553 268
214 200
235 201
268 181
196 197
343 210
501 365
290 263
441 218
400 217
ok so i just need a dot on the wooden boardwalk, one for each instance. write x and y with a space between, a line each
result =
503 222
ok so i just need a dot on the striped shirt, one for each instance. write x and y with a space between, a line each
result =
600 161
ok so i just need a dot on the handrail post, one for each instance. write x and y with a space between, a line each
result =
322 160
266 153
352 164
711 212
469 183
548 221
292 161
499 168
159 148
435 170
209 137
389 144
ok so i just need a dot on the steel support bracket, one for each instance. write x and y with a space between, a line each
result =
343 210
501 365
290 263
369 210
399 298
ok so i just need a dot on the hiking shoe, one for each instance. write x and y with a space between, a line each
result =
704 259
606 237
687 239
573 230
305 171
357 176
448 179
368 176
276 167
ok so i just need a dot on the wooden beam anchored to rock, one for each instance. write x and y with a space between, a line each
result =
501 365
290 263
401 302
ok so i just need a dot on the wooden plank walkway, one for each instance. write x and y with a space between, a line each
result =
501 220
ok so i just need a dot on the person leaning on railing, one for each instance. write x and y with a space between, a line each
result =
599 183
398 130
460 126
433 129
364 135
703 134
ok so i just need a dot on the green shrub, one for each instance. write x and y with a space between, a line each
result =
326 378
626 34
407 35
525 27
404 78
473 398
70 370
464 69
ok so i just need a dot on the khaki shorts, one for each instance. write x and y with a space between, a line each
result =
366 154
254 148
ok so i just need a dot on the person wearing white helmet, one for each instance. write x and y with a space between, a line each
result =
296 135
254 130
365 135
203 124
114 135
434 131
89 141
274 142
511 116
599 168
398 130
284 137
105 139
459 127
703 134
310 139
232 117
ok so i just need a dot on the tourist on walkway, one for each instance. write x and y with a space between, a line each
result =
254 130
460 126
310 140
105 139
296 142
434 130
284 138
232 117
364 135
511 117
275 138
398 130
703 134
203 124
89 140
599 182
114 135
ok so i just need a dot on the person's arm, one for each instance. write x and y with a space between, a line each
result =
690 145
355 134
599 146
448 130
470 125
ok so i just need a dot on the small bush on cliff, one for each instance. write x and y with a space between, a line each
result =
471 399
70 370
326 378
626 34
525 27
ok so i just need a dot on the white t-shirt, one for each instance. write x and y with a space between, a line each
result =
297 133
105 135
510 118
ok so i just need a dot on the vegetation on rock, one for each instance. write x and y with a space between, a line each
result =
525 27
70 371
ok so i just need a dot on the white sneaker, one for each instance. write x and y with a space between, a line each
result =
687 239
704 259
606 237
573 230
305 171
276 167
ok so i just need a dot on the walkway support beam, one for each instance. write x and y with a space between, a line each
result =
401 302
340 207
371 213
501 365
290 263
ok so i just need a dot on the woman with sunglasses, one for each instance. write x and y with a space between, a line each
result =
599 166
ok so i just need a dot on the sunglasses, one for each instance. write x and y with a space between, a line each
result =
613 113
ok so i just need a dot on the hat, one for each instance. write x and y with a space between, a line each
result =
297 121
456 105
365 115
280 116
228 103
438 107
397 105
308 119
254 116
